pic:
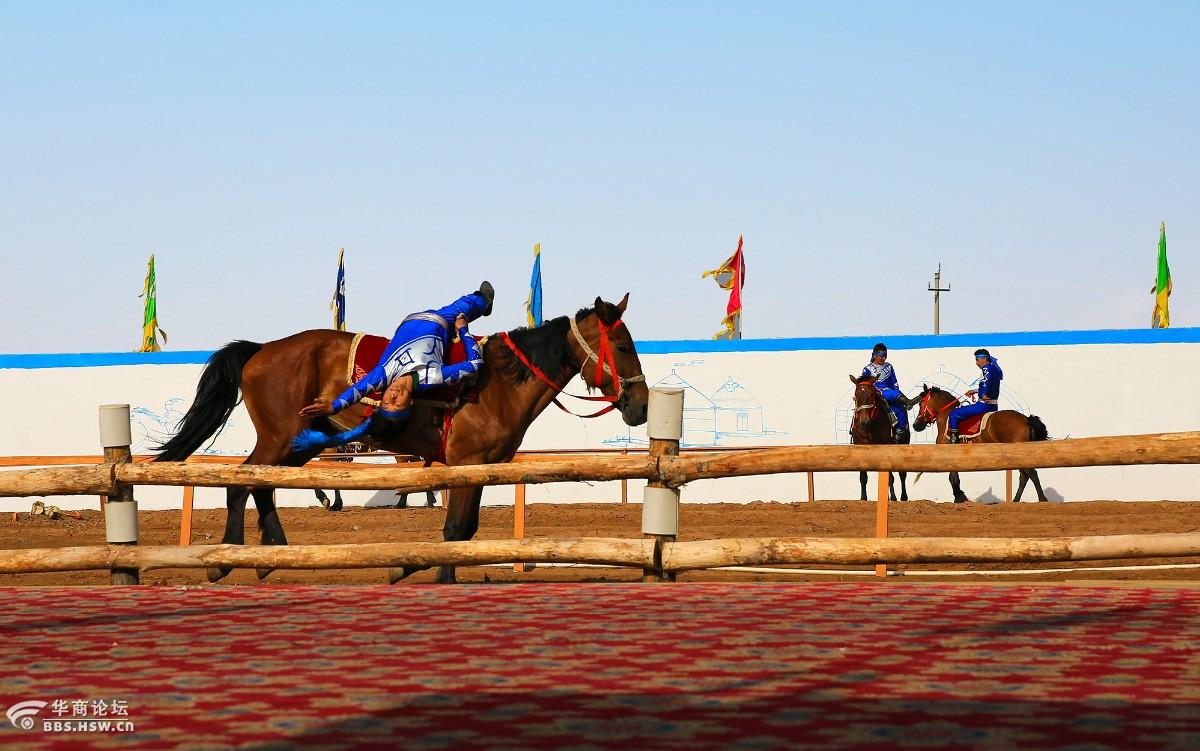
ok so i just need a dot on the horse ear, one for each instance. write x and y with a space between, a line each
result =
606 312
853 380
624 303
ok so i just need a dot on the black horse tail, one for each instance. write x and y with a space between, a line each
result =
1037 429
216 396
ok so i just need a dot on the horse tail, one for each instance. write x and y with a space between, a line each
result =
1037 429
216 396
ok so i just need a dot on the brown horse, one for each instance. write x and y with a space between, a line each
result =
1005 426
276 379
871 425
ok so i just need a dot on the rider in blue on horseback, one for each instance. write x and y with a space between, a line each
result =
885 380
987 394
412 362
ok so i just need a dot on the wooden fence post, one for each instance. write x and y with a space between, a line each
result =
812 493
624 483
185 519
519 523
881 517
660 504
1008 486
120 513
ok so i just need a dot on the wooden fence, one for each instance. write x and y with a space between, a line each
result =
671 471
665 471
676 556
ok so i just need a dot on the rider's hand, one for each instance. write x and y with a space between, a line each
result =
970 393
319 408
460 322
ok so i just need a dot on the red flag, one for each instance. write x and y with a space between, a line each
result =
731 275
737 265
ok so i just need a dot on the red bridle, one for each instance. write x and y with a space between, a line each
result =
873 406
604 357
927 414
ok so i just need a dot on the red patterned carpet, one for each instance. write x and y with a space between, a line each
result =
579 666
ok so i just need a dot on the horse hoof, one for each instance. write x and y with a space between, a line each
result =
263 573
396 575
964 499
217 573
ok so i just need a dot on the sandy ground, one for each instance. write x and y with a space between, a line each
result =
698 521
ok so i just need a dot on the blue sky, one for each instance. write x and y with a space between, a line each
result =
1032 150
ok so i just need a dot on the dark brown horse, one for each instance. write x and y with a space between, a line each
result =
872 425
276 379
1005 426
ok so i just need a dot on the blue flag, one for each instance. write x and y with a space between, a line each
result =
533 306
338 303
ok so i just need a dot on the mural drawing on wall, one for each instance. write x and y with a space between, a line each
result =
843 413
728 416
150 428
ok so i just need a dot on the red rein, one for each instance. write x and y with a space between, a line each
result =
604 356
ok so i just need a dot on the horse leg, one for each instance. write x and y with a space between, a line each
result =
1024 475
903 486
270 529
891 487
862 480
956 486
322 498
235 523
337 500
430 499
462 522
1037 485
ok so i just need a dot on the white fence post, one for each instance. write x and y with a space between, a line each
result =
660 504
120 512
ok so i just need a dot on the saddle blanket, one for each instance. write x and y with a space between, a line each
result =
971 427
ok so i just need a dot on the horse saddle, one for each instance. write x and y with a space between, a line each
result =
970 428
365 352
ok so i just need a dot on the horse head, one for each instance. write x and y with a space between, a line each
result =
933 404
607 359
866 400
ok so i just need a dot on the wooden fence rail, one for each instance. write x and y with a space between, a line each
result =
676 556
104 479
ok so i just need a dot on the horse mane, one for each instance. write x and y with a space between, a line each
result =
545 346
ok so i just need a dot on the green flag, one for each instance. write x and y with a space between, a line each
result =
1161 318
150 329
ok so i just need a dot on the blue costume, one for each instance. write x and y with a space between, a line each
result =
889 387
987 393
418 346
417 350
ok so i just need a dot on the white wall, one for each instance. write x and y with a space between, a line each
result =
1077 389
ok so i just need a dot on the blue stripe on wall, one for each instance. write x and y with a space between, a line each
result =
929 341
863 343
98 359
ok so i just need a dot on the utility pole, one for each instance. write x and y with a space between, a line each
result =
937 289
